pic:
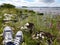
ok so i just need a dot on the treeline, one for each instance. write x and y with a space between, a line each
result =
7 6
4 5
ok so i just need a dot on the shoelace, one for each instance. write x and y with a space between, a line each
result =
8 37
18 40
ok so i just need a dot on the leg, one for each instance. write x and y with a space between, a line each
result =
10 43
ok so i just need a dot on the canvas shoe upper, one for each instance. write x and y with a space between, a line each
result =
7 34
18 38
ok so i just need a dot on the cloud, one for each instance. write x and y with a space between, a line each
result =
40 3
47 1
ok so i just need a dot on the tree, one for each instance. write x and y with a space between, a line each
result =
40 13
24 6
7 6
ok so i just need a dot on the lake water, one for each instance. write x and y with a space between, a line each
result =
46 10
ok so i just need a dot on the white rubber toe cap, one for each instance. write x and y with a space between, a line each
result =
7 28
19 33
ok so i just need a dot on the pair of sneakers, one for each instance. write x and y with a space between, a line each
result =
8 37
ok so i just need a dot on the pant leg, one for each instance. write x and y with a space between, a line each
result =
9 43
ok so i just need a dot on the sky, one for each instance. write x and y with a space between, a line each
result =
33 3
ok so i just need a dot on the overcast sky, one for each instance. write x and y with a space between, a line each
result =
39 3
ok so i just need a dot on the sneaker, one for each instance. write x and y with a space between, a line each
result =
7 34
18 38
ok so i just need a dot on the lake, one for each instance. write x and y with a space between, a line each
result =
46 10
